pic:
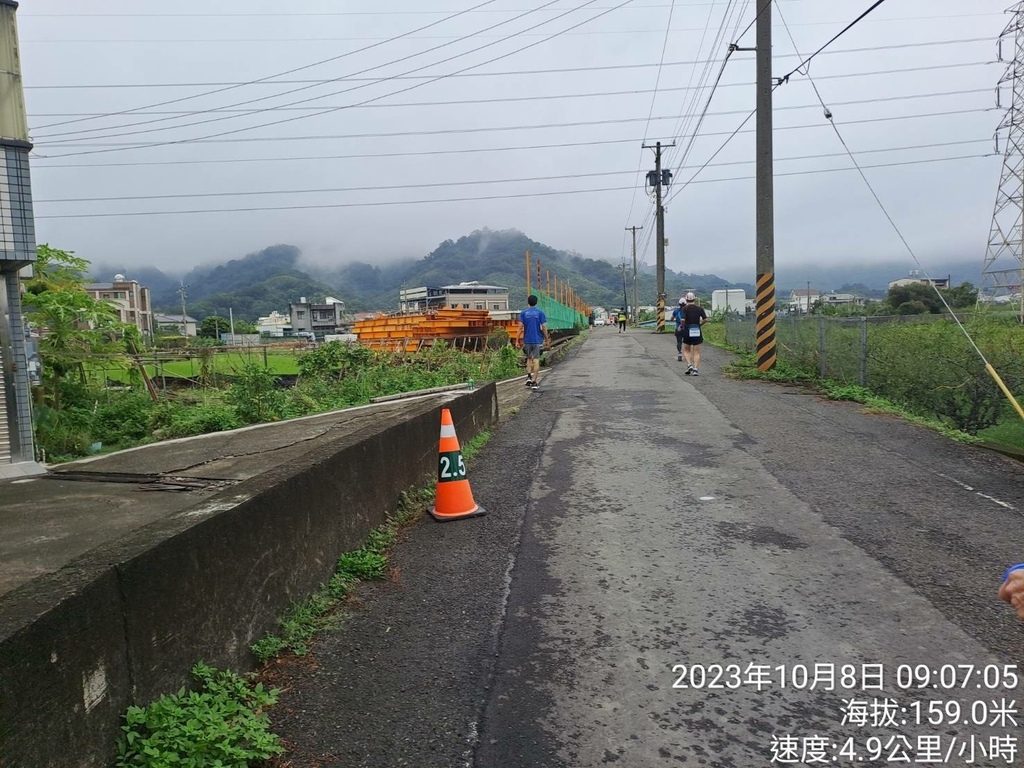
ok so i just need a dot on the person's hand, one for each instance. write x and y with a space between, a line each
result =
1012 591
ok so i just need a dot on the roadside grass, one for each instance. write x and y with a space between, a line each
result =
1009 433
745 367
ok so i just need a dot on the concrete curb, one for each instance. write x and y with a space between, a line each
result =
124 623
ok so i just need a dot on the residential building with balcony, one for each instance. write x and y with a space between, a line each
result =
467 295
317 317
130 300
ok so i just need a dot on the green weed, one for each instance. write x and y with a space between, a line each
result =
745 367
304 619
221 725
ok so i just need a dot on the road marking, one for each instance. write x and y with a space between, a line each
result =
966 487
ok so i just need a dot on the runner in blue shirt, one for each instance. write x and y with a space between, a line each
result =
535 334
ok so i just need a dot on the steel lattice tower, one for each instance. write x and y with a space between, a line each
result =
1004 258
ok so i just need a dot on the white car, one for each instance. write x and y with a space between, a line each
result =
599 321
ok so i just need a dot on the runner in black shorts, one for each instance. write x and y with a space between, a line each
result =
693 318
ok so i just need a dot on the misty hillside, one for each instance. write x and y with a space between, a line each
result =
272 278
499 258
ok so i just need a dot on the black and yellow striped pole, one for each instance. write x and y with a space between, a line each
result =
765 213
766 321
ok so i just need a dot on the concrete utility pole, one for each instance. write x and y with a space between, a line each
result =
636 311
765 216
182 292
658 178
1003 270
17 252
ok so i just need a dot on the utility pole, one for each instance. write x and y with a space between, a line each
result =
657 179
636 311
184 324
1004 258
765 211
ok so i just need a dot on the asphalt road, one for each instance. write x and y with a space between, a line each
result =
667 567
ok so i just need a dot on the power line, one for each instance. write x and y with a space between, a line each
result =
687 111
650 112
431 153
427 185
842 32
232 86
517 99
475 198
413 36
684 155
558 70
493 129
386 95
607 94
860 170
338 79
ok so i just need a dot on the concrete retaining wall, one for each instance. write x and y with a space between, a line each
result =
125 623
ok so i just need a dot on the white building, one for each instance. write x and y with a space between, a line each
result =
275 324
802 300
915 277
467 295
841 300
175 324
729 300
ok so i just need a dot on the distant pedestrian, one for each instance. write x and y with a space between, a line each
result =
693 317
677 318
622 321
535 335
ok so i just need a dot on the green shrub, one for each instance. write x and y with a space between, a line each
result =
222 725
497 339
182 419
124 418
255 394
62 435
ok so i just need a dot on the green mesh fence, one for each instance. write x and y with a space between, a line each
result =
561 317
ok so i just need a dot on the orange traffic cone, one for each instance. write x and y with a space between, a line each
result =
454 499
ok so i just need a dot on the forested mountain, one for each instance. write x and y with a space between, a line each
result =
499 258
271 279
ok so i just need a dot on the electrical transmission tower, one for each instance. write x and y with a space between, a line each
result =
1004 257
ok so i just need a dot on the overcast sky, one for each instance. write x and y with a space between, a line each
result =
95 72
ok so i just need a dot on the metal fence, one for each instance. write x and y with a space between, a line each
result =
838 348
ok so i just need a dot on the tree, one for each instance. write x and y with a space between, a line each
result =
963 296
915 299
74 327
213 326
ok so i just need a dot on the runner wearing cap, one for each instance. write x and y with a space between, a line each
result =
693 317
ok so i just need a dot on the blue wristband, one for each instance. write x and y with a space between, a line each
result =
1011 569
